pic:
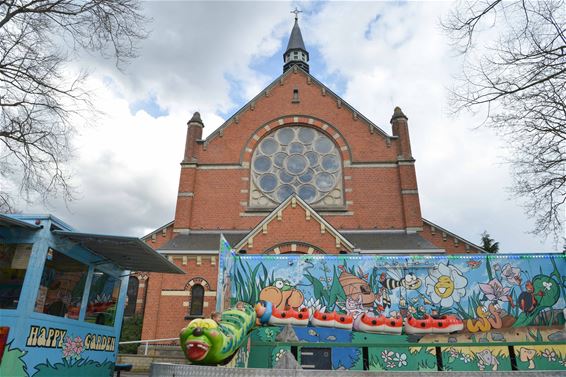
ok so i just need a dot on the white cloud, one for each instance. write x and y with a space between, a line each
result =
206 56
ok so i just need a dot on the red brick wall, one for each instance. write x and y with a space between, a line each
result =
165 313
373 193
294 226
444 240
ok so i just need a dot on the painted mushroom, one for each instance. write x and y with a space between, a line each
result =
528 354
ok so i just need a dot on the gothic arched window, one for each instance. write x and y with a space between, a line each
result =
132 293
197 299
296 160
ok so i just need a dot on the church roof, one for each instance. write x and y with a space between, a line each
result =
296 38
230 121
378 242
384 242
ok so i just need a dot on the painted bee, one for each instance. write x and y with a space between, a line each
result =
409 281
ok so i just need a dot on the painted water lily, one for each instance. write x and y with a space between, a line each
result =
445 284
494 291
313 304
511 274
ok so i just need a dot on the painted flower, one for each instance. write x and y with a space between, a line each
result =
511 274
453 352
466 358
78 347
387 355
400 359
68 348
445 284
390 365
494 291
313 304
549 354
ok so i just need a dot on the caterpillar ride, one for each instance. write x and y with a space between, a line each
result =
206 342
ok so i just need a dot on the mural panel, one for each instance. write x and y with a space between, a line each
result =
486 358
402 358
548 357
486 292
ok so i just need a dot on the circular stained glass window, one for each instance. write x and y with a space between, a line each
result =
268 182
307 193
296 164
269 146
262 164
296 160
285 135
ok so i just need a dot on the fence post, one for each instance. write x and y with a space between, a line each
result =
145 351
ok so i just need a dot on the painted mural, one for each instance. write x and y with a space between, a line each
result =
63 354
497 304
486 293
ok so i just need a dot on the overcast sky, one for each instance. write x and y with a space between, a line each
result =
213 57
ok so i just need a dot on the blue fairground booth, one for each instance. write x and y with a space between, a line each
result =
63 294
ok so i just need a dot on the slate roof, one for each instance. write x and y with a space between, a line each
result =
390 242
387 242
296 39
200 241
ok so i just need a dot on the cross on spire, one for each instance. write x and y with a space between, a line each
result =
296 11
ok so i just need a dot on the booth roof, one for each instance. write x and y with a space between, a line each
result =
10 221
129 253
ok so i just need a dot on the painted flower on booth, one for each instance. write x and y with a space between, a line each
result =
511 274
494 291
72 348
445 284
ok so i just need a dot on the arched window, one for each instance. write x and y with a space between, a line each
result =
197 300
133 286
296 160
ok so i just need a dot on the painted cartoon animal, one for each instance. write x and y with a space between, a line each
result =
487 358
282 295
353 306
481 323
206 342
527 300
356 288
409 281
473 264
495 317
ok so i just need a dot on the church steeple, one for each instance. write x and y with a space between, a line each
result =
296 53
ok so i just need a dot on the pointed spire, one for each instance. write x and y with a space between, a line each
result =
196 119
296 52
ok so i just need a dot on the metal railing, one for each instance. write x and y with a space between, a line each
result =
147 341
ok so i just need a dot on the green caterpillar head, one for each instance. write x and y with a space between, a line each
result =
200 340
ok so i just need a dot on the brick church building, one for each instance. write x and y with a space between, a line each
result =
296 170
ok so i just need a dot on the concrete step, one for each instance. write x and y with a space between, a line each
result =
142 363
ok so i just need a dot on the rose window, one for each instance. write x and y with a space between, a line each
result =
296 160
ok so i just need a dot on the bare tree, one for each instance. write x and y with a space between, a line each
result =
515 72
38 99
